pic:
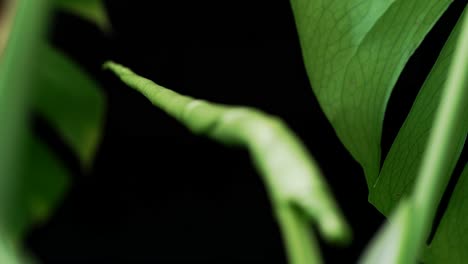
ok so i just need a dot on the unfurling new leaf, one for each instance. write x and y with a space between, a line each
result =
290 174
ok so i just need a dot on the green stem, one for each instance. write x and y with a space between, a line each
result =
300 243
432 179
291 175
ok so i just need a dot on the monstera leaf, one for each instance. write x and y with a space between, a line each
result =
92 10
425 152
70 101
354 52
291 176
64 96
72 104
404 158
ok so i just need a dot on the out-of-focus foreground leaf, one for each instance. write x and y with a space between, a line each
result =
16 77
385 248
70 101
73 105
6 18
92 10
298 192
44 181
354 52
451 239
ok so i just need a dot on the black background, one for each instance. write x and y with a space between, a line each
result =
157 193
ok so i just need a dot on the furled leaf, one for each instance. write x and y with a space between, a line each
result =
70 101
92 10
450 118
290 174
400 168
451 239
354 51
385 247
8 251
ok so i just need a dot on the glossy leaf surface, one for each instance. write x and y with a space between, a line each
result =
440 151
354 52
400 168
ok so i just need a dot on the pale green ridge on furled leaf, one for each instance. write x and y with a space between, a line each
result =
289 172
449 122
451 239
433 175
400 168
385 247
354 52
7 251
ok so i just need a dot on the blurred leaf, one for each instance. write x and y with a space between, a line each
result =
7 13
404 158
354 52
16 79
297 190
451 239
386 245
92 10
71 102
67 98
44 182
7 252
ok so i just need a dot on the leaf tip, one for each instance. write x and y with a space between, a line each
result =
335 230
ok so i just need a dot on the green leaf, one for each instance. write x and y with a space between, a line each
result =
385 248
354 51
67 98
7 251
450 120
7 14
92 10
400 168
16 79
450 240
44 181
297 190
434 170
71 102
73 105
